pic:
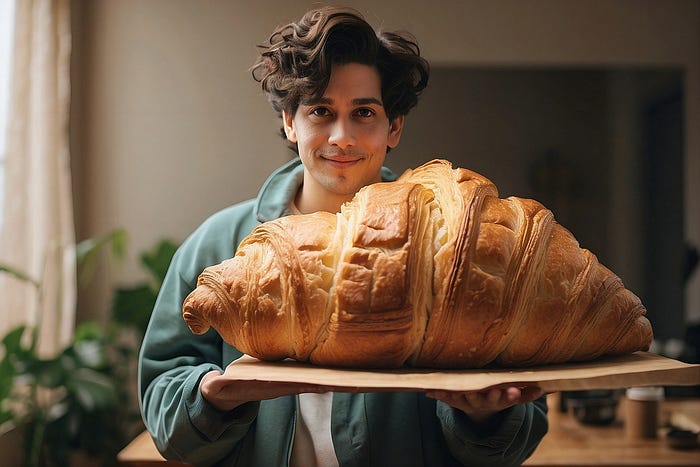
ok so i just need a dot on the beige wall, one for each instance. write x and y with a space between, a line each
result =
168 126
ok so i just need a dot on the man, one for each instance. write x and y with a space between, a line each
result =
342 91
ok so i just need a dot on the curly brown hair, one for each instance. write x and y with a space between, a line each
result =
296 61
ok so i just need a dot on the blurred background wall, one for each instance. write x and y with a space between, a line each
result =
592 107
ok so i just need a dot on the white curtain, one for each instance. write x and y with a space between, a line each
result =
38 235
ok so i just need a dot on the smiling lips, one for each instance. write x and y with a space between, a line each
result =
342 156
341 160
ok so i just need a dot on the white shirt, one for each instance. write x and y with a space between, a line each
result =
313 445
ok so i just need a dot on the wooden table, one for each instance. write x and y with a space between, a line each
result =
571 443
568 442
142 452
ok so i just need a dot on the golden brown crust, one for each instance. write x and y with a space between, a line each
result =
433 270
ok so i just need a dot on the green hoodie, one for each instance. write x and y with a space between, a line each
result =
368 429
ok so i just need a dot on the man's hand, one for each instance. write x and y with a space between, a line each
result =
225 394
480 406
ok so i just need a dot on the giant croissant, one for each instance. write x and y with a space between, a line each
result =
432 270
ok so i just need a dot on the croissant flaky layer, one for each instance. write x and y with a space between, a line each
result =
432 270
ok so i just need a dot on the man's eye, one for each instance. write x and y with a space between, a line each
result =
364 112
320 111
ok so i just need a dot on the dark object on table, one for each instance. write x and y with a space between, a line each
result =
690 354
593 407
678 438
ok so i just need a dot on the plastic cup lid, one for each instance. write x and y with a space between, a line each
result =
645 393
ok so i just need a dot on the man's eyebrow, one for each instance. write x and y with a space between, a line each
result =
357 101
317 100
367 101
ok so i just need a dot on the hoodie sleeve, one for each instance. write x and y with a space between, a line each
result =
507 441
173 360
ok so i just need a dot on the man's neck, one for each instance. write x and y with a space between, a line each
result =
307 203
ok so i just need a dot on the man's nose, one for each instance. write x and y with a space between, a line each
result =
342 133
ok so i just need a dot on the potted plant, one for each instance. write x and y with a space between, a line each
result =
77 401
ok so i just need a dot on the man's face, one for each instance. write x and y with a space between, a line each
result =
343 136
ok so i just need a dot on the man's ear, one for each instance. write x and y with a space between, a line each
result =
395 129
288 122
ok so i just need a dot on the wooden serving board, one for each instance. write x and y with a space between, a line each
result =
637 369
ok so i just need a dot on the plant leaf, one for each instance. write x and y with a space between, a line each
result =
18 354
7 378
89 331
57 411
88 250
92 390
21 275
13 339
90 353
132 306
53 373
119 240
158 260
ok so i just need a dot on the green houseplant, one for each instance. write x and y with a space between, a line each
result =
78 400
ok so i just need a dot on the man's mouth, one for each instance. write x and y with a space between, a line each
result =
341 160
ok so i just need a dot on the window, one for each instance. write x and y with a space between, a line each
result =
6 30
